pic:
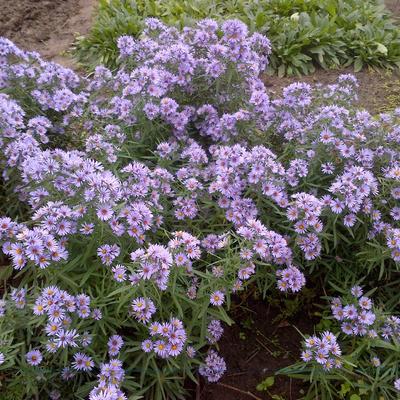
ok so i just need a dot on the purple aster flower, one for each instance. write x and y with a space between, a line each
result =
114 344
143 309
214 331
97 314
214 367
160 348
356 291
147 346
307 355
217 298
190 351
126 45
82 362
119 273
34 357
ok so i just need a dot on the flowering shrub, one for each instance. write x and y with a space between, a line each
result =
157 192
370 343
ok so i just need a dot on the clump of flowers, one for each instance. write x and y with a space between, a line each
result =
38 246
114 345
19 298
393 242
305 212
357 317
110 379
167 339
213 368
62 312
170 59
143 309
214 331
369 340
153 264
323 350
259 242
290 278
185 248
82 362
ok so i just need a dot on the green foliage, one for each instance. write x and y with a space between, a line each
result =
266 384
115 18
359 379
352 382
303 34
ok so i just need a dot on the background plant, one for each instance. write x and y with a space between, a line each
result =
304 35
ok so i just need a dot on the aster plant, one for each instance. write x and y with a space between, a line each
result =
158 191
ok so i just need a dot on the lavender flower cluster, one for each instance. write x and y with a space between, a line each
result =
171 338
64 313
358 317
324 351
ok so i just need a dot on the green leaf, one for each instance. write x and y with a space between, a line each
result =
5 272
261 19
266 383
269 381
344 388
331 7
358 64
277 397
381 48
281 70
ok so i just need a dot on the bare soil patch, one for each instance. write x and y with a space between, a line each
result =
378 91
46 26
393 6
261 342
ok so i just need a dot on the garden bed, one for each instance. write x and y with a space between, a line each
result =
261 342
46 26
265 337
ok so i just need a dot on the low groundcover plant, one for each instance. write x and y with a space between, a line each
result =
159 191
304 34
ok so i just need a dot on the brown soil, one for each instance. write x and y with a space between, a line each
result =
393 6
256 347
378 91
46 26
